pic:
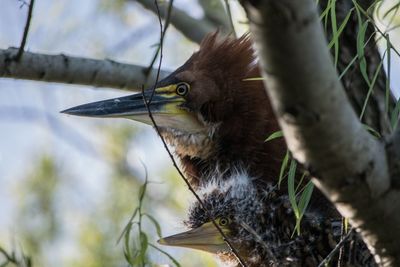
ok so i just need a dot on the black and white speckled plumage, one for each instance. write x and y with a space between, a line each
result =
272 219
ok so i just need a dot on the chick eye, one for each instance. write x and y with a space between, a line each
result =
182 89
223 221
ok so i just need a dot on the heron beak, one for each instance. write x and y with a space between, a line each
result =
165 106
205 237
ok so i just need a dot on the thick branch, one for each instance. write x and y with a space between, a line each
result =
320 127
193 29
73 70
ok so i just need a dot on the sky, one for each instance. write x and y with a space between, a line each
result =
30 122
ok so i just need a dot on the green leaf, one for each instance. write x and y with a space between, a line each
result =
129 224
348 67
127 249
166 254
360 43
274 135
303 203
388 72
141 256
305 198
372 130
283 168
371 87
325 12
253 79
144 243
334 30
336 35
346 224
156 224
300 182
291 186
142 191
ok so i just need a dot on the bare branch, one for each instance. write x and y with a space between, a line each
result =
26 31
74 70
320 127
193 29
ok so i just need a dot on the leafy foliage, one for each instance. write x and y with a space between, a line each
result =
299 197
136 245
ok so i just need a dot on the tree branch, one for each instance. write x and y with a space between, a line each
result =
193 29
320 126
74 70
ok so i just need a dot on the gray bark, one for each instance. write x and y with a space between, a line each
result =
74 70
320 127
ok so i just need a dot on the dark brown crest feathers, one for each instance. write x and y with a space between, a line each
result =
236 56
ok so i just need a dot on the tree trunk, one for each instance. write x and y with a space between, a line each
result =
321 128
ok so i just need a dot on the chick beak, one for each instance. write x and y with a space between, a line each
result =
205 237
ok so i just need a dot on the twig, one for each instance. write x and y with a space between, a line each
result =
338 246
23 3
166 24
26 30
147 103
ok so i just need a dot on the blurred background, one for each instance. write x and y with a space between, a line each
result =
69 185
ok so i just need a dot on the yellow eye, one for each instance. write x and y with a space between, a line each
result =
182 89
223 221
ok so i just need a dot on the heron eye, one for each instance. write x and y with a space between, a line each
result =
182 89
223 221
